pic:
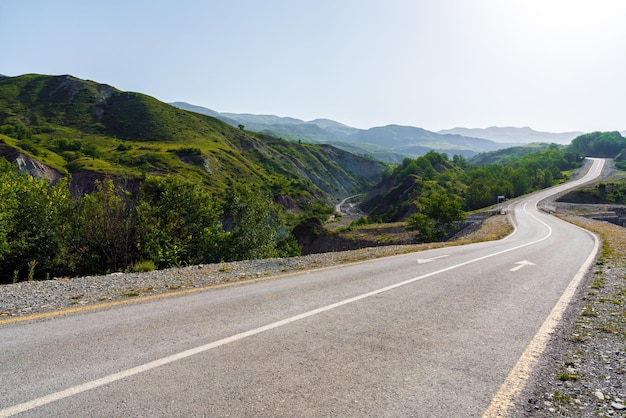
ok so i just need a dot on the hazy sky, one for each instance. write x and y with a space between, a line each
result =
554 65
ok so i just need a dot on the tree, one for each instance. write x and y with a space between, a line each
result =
178 223
32 220
104 225
479 194
438 213
599 144
252 225
423 224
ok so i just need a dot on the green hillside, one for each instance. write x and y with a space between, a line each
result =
417 184
111 180
601 144
77 126
509 154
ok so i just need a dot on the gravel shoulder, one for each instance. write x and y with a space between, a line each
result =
36 297
583 371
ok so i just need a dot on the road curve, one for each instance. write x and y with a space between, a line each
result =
447 332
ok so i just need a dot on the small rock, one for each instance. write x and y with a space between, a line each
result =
599 395
618 406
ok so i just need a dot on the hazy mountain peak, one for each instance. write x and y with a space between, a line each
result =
517 135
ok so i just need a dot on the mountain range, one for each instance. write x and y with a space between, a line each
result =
514 135
54 125
391 143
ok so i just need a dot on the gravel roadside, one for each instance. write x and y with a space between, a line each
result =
33 297
583 370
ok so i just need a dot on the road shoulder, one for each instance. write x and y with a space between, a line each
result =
582 371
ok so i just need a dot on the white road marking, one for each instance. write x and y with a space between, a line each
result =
522 264
75 390
428 260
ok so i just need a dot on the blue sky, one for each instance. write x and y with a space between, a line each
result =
553 65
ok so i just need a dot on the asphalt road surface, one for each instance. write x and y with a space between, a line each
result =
440 333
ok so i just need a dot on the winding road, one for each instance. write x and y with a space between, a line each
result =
440 333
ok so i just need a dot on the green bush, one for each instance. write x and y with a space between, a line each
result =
144 266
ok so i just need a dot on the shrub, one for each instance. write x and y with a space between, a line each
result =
144 266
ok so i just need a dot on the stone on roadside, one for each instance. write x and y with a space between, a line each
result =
618 406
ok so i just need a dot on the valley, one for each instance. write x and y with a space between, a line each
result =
135 184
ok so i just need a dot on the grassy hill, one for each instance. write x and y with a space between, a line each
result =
507 155
87 128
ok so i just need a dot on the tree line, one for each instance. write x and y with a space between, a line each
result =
601 144
432 193
46 232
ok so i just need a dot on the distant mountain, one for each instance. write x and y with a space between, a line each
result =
413 142
318 130
390 143
512 135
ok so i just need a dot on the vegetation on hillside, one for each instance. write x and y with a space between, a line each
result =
75 125
432 193
609 191
171 187
45 232
174 187
508 154
601 144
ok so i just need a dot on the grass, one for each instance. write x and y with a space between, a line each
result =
588 311
144 266
598 282
139 135
131 294
493 228
561 397
568 376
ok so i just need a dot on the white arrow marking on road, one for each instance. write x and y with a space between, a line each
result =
428 260
521 264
